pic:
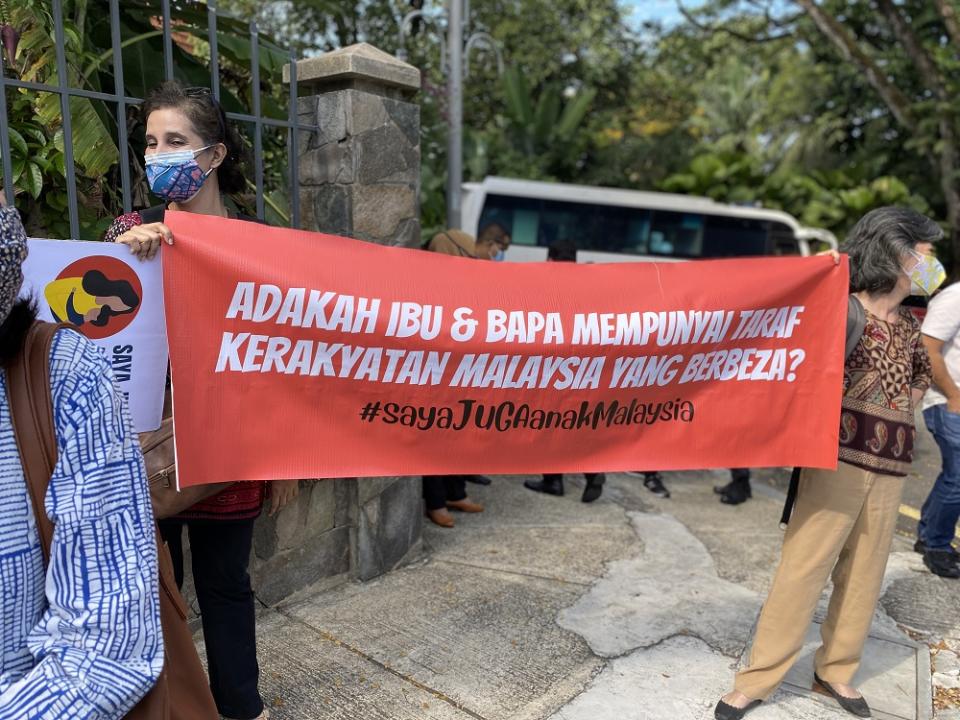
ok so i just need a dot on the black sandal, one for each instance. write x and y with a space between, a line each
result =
854 706
723 711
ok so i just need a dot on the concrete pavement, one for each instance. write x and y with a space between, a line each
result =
546 608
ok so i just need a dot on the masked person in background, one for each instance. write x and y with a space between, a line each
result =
843 520
443 493
492 243
193 156
82 638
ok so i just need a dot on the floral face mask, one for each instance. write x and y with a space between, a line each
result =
926 275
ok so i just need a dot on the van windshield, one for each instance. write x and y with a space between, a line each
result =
636 231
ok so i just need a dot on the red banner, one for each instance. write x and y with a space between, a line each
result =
300 355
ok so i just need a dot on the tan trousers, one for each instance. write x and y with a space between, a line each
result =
843 523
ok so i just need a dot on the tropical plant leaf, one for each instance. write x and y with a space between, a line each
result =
574 112
17 144
517 96
94 150
548 109
32 180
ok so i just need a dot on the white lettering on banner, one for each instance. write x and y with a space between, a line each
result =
328 310
523 327
293 307
683 327
634 372
675 327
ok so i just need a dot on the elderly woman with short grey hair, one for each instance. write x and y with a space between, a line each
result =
843 521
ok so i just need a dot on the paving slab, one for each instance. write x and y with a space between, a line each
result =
308 676
567 554
918 599
508 502
546 607
888 676
485 640
671 588
744 540
680 679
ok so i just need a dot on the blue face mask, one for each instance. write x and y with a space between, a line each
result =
500 256
176 176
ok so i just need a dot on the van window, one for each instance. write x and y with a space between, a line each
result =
736 237
635 231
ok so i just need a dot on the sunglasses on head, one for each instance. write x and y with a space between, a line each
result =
205 93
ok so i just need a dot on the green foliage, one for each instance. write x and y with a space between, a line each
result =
834 200
37 118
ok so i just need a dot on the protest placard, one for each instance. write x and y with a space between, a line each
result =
116 301
296 354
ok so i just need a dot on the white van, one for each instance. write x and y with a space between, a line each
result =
613 225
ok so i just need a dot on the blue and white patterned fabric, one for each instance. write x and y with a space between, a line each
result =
84 640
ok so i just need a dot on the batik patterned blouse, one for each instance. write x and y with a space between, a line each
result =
83 639
876 423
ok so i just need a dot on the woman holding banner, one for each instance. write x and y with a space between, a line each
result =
193 156
843 521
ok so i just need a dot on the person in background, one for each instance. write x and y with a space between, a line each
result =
941 413
843 520
441 493
492 243
193 157
733 493
652 481
737 490
565 250
82 638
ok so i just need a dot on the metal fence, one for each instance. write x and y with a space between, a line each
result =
122 102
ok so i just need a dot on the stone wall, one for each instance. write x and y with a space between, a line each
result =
359 177
360 172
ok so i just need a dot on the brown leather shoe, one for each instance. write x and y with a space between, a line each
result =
441 517
465 505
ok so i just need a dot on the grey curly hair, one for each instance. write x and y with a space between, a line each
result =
878 242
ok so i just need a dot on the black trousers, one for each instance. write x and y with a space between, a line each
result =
220 552
438 489
553 477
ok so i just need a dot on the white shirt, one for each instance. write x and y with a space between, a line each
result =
943 323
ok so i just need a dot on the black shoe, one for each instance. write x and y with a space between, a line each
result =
477 479
550 486
735 492
654 483
594 488
942 562
729 712
921 547
854 706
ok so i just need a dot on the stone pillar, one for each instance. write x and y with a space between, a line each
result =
359 177
360 172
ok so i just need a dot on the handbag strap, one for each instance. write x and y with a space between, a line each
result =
856 324
31 410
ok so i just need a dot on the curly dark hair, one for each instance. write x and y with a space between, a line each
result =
877 243
210 122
